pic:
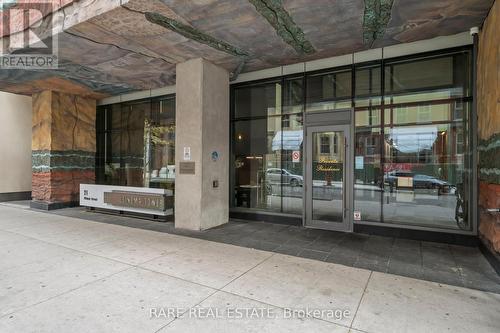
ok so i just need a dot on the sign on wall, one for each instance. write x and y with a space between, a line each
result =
215 156
131 199
136 200
187 153
360 162
186 168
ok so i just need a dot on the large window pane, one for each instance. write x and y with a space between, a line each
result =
293 95
424 174
329 91
368 86
160 145
288 144
291 147
368 117
136 144
113 167
257 164
368 176
412 152
267 146
132 154
428 79
257 101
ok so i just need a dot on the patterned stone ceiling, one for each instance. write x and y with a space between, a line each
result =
108 47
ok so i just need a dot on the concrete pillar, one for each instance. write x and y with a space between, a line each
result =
202 138
63 148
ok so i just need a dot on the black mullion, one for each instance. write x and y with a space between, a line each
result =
281 150
382 135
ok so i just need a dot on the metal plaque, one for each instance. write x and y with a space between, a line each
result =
136 200
186 168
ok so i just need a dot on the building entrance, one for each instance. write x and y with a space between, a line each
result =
327 204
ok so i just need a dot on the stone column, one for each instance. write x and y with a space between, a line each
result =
202 131
63 148
488 111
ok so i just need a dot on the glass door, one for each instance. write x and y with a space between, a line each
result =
327 176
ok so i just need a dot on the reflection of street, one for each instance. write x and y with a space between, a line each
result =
435 215
420 206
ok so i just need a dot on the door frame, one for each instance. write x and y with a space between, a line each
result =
347 224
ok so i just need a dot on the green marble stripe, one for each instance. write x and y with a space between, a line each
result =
491 176
489 159
194 34
376 17
492 143
133 161
274 12
45 160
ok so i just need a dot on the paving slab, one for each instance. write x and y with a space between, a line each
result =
15 218
292 282
208 263
25 250
44 278
393 303
140 247
120 303
264 318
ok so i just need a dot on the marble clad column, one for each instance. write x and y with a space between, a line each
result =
202 126
488 109
63 148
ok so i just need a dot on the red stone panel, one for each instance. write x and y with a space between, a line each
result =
489 226
60 186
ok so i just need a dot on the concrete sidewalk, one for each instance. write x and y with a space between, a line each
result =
62 274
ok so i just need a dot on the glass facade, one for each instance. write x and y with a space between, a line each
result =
136 143
267 137
411 147
411 151
409 142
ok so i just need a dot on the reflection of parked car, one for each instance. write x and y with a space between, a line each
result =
419 181
429 182
279 176
391 178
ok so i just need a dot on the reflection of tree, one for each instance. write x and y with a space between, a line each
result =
155 137
159 135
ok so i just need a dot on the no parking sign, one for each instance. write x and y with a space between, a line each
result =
296 156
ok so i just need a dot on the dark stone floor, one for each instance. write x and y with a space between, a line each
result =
443 263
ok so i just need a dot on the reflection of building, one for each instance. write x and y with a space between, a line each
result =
329 147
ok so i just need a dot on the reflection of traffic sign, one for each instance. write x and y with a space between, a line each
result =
296 156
